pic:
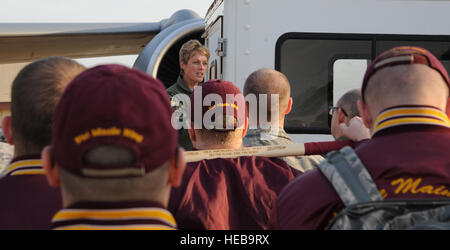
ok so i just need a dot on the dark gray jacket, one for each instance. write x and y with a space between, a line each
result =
180 87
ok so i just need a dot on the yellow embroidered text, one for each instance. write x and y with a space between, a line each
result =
106 132
113 131
413 186
82 138
133 135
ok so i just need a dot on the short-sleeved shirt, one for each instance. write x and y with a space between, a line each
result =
265 137
407 157
180 87
114 216
26 199
229 193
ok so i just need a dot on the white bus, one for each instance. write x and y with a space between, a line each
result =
323 47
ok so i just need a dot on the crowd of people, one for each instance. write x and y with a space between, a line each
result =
97 148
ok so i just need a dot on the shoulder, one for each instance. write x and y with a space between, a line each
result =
311 179
310 162
197 171
252 138
172 90
268 168
307 202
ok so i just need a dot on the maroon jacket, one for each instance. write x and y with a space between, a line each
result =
229 193
26 199
405 161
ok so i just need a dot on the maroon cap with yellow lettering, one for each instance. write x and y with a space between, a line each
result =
404 55
214 102
113 105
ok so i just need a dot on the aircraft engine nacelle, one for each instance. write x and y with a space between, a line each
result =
160 57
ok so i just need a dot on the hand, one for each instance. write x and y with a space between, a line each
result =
357 131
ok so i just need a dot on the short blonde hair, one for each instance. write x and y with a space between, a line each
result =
188 49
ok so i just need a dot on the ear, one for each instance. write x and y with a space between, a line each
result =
341 117
447 110
182 66
245 127
192 135
176 168
365 114
7 129
51 171
289 106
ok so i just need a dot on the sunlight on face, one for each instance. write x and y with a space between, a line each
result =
194 70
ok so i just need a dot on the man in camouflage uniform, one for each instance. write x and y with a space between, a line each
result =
271 82
346 108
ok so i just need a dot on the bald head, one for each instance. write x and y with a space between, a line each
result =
406 85
415 84
269 82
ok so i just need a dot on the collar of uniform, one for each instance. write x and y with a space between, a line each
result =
114 216
410 115
180 83
268 131
25 165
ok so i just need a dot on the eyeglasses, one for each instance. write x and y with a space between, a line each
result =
332 109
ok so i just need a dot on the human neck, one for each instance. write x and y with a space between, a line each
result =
189 83
21 151
267 125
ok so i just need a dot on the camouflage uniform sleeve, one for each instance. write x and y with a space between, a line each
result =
310 162
180 103
6 155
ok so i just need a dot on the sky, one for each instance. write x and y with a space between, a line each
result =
122 11
96 10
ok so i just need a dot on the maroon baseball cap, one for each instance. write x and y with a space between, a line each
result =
404 55
113 105
217 100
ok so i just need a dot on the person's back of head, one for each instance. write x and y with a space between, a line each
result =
113 140
349 102
403 77
346 108
218 116
265 86
35 93
150 187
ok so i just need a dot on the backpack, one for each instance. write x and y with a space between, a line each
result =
366 209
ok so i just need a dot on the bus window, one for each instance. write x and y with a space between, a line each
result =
322 67
308 64
347 74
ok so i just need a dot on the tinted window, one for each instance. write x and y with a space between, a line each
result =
317 66
308 64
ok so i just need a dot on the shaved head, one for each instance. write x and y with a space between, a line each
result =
406 85
269 82
403 85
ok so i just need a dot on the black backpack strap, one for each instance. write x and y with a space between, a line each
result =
351 180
